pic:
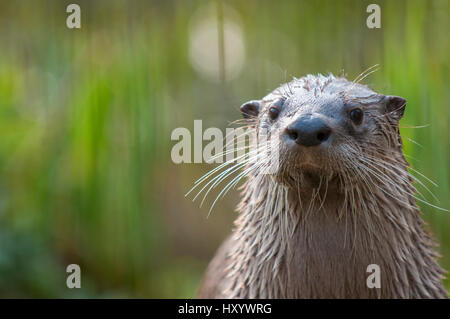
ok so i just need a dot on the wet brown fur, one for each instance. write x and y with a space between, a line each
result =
311 232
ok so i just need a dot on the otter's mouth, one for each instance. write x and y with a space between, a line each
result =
311 166
312 175
312 163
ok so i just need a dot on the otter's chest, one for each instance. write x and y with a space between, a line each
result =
329 258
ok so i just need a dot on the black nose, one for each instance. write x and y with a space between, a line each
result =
308 131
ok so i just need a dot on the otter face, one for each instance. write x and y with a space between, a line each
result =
326 125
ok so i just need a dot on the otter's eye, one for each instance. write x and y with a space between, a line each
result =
356 115
273 112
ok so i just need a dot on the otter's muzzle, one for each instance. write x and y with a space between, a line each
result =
308 130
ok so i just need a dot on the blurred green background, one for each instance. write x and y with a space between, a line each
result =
86 117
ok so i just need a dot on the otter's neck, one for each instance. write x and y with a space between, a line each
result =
286 246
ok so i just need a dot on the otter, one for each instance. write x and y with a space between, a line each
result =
340 201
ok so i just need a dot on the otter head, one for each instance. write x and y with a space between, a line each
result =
327 127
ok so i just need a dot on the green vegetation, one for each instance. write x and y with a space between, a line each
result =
86 117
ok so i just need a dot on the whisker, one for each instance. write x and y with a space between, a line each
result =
213 171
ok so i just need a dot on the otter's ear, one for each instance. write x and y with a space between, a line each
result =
395 106
250 109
